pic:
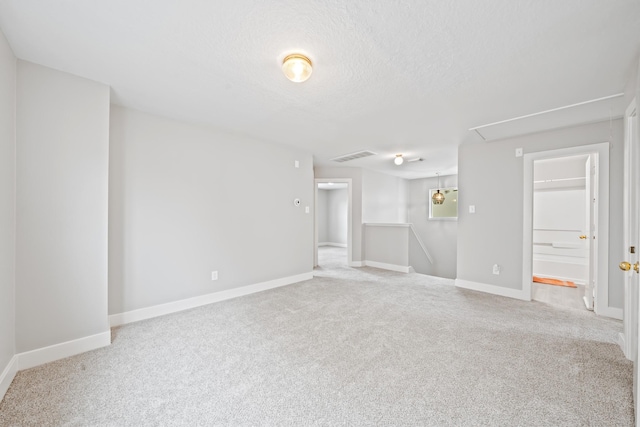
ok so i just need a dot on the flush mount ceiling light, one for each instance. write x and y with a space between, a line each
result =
398 160
297 67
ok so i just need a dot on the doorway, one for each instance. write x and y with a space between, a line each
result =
332 223
596 288
561 214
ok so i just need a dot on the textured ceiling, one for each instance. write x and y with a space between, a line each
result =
392 77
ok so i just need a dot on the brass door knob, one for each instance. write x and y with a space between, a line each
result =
636 267
583 237
624 266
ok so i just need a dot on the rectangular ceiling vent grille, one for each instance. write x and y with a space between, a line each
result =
353 156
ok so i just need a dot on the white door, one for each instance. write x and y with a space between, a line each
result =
629 266
590 229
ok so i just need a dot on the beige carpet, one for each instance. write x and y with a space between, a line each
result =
350 347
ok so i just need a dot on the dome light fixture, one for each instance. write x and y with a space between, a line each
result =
438 197
398 160
297 67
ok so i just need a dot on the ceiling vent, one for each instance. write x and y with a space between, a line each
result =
353 156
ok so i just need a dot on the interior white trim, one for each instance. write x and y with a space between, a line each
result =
421 243
8 374
592 111
43 355
621 343
612 312
493 289
604 98
601 304
185 304
385 266
630 302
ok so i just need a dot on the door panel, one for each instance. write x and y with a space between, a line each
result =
591 221
631 239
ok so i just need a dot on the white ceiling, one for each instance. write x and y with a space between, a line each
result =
407 77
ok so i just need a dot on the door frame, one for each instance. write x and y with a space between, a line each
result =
632 172
349 183
625 341
601 305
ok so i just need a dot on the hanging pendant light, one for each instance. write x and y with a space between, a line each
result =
438 197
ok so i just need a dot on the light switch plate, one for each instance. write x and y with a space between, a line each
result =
472 208
518 152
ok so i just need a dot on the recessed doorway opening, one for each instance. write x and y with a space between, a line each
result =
332 237
561 211
596 288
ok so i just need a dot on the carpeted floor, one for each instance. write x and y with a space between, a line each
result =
350 347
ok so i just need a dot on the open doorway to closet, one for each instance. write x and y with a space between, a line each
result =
561 232
332 223
555 236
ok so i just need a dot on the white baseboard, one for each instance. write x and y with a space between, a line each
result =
614 313
40 356
337 245
385 266
185 304
7 376
493 289
356 264
622 344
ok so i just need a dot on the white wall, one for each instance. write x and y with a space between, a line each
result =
337 211
186 200
493 235
7 205
439 236
332 216
355 174
387 244
559 218
322 211
61 231
384 198
560 209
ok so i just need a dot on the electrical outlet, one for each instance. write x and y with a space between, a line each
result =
296 164
496 269
472 208
214 275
